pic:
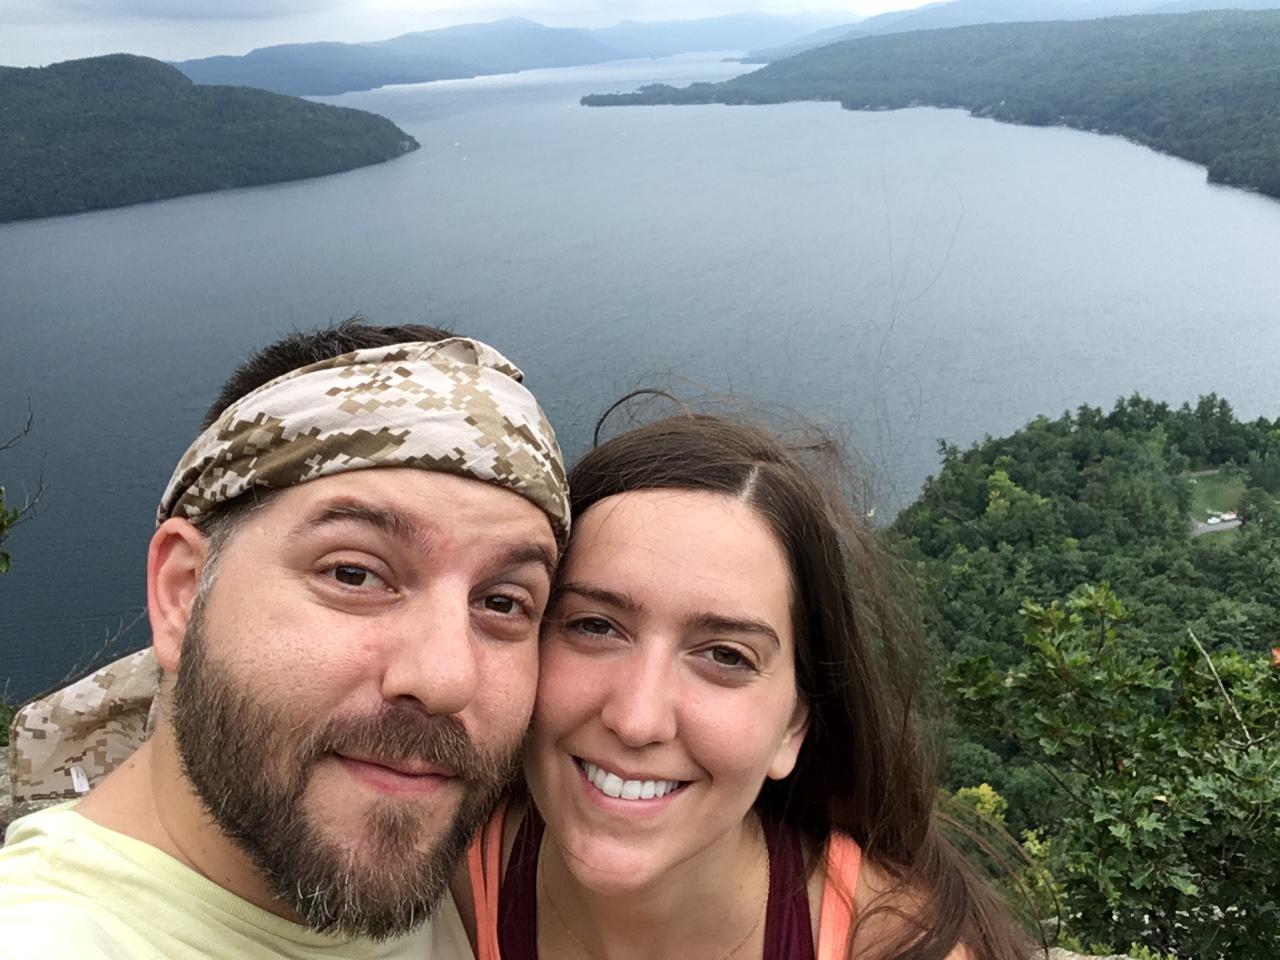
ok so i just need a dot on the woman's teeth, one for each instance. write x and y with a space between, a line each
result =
613 785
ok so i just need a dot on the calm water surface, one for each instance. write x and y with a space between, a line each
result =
907 276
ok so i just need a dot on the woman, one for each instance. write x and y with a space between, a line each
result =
723 761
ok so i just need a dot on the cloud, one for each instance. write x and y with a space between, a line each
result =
196 9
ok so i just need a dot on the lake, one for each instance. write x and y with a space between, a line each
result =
904 276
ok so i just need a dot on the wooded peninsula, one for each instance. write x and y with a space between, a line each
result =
120 129
1201 86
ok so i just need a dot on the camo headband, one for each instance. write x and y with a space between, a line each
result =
456 406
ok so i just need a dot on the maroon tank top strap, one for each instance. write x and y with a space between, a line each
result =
518 893
788 933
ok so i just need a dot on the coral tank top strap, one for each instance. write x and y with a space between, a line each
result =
835 919
484 867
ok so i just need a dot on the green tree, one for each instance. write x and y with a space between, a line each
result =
1171 765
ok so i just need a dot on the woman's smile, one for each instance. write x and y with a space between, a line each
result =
619 787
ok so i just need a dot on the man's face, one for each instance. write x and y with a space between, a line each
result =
355 684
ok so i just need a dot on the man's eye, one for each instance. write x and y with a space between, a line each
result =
350 575
500 603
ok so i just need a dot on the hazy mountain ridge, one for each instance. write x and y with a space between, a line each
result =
469 50
503 46
322 69
116 130
465 50
670 37
1201 86
960 13
810 41
1189 6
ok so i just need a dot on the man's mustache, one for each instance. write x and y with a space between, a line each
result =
406 735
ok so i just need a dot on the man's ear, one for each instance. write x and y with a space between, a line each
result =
175 561
784 761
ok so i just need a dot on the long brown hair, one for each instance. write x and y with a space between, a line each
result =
864 768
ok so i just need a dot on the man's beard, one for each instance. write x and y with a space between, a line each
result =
250 768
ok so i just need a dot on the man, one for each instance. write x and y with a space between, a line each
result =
344 590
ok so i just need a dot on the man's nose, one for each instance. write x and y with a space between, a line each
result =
641 701
435 656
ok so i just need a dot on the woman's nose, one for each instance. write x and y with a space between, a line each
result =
640 702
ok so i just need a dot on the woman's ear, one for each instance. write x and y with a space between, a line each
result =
784 760
175 562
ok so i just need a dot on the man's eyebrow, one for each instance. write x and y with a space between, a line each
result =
531 553
720 624
608 598
401 528
350 511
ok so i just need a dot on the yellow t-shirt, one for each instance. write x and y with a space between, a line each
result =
72 889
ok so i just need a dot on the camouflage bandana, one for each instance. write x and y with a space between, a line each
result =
456 406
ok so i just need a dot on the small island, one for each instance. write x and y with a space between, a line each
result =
1201 86
120 129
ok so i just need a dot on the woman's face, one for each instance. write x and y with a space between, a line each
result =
667 691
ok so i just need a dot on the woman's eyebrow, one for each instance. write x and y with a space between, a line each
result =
701 621
721 624
608 598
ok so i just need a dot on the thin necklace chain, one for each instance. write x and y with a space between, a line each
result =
564 924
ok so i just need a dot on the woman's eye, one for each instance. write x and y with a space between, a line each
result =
730 657
351 575
593 626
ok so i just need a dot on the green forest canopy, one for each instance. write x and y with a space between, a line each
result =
1110 674
1202 86
115 130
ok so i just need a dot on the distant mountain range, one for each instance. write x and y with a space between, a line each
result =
505 46
1203 86
961 13
469 50
115 130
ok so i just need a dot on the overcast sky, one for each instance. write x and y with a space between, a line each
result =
36 32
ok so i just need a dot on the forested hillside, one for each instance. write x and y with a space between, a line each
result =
116 130
1202 86
1112 675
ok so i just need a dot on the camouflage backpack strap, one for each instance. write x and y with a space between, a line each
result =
62 744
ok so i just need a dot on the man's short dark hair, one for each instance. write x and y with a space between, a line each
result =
297 349
301 348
